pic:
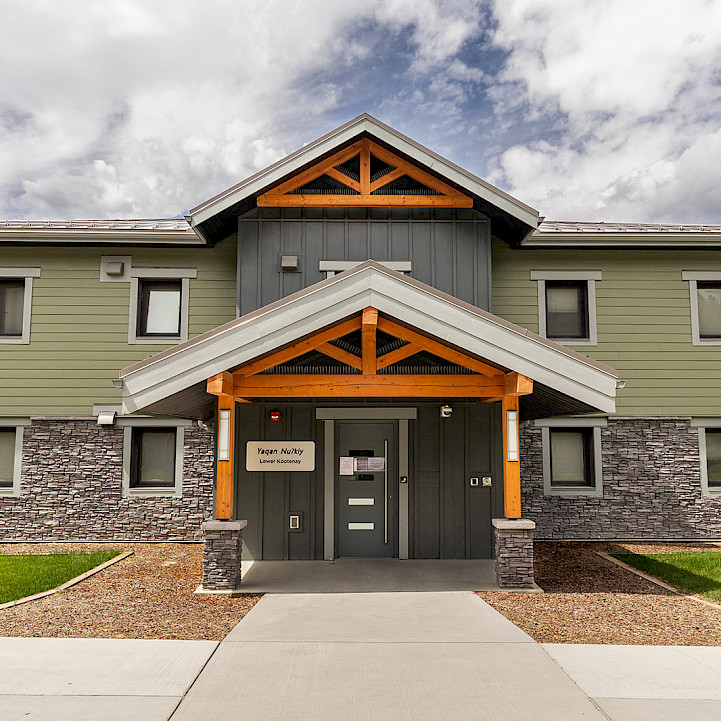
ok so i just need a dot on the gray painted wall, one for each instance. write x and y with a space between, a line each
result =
447 517
448 249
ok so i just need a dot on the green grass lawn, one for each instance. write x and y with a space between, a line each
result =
698 572
25 574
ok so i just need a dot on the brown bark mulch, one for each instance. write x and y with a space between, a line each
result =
147 595
589 600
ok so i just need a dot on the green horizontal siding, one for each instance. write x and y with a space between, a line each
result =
644 321
79 332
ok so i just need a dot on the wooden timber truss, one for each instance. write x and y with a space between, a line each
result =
364 174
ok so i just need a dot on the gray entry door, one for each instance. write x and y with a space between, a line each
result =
366 499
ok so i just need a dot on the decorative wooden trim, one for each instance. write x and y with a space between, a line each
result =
221 384
224 473
281 196
398 354
341 355
517 384
301 347
368 385
369 326
511 469
433 346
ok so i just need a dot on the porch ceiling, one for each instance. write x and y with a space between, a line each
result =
173 382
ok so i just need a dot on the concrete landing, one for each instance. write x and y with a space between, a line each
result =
400 656
371 575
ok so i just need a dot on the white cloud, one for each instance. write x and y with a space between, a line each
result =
633 90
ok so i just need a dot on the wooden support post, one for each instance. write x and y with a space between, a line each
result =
368 337
511 469
225 481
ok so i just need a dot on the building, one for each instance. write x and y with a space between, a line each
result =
363 350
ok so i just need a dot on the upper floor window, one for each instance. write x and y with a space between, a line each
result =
16 285
567 305
708 296
159 304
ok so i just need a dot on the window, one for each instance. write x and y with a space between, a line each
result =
572 456
11 447
159 304
705 289
567 305
15 303
152 456
709 446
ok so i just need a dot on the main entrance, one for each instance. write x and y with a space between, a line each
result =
366 488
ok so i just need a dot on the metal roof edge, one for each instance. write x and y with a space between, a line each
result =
635 240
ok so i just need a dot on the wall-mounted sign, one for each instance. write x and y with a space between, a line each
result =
280 456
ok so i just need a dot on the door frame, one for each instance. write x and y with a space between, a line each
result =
329 416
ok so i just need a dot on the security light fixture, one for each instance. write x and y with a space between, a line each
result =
446 411
620 383
512 436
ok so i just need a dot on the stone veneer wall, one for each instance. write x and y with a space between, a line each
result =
71 488
651 486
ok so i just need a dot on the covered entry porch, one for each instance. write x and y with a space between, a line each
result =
368 416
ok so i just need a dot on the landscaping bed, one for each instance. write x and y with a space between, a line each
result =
587 599
147 595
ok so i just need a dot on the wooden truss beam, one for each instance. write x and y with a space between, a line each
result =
367 385
341 355
368 333
398 354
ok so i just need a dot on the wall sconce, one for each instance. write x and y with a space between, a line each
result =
224 435
512 436
446 411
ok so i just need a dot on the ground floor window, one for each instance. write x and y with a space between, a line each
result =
153 459
572 456
709 445
11 449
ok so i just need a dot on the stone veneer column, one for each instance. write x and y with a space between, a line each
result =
221 555
514 552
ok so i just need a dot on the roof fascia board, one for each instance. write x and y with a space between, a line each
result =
77 236
497 342
621 240
392 138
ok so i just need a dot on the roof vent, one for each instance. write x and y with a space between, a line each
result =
106 418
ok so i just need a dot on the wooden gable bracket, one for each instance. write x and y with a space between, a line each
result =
364 191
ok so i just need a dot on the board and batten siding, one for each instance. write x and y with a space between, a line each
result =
79 331
644 321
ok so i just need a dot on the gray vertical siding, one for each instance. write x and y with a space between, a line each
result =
448 249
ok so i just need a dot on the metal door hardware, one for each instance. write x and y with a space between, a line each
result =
474 480
295 522
487 481
404 479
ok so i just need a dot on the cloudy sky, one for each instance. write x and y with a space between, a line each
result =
584 109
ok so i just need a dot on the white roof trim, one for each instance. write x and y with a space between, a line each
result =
365 123
330 301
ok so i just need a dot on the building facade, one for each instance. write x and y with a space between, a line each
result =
362 350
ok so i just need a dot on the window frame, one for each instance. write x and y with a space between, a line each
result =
129 425
140 275
702 424
17 425
595 489
589 277
25 275
694 277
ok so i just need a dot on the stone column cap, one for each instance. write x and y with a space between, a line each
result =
224 525
514 524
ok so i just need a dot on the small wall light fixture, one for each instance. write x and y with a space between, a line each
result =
446 411
512 436
620 383
224 434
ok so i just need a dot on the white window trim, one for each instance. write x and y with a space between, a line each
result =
182 274
331 267
693 276
18 424
546 424
27 275
128 424
702 424
590 276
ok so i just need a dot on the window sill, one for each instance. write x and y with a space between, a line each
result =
169 492
575 492
14 339
705 341
9 493
159 340
573 341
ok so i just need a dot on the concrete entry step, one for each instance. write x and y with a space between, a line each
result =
371 575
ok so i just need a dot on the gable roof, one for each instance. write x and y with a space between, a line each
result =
173 381
514 220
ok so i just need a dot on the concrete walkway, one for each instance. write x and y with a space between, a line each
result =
400 656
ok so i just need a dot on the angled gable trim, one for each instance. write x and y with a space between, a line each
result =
328 302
